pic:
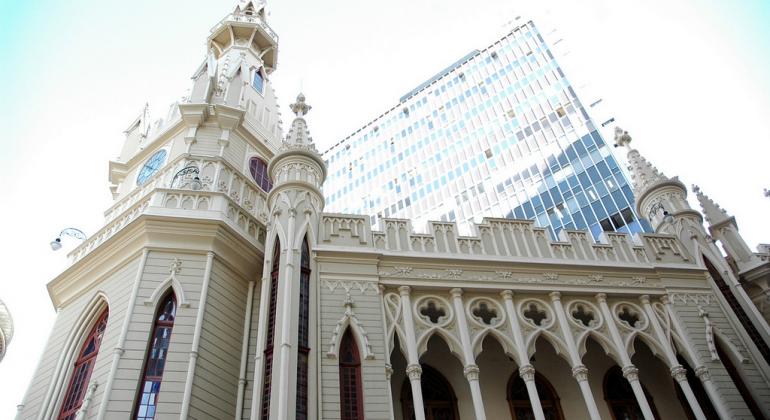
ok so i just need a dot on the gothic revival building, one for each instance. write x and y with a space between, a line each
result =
218 288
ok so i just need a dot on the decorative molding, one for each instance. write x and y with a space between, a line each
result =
414 372
702 372
631 373
471 372
527 373
347 286
349 319
679 373
697 299
709 333
172 282
580 373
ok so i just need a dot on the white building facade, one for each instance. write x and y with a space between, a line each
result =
219 288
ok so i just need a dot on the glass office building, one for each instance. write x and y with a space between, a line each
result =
499 133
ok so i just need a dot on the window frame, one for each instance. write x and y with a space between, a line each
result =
169 295
90 359
349 342
264 176
263 80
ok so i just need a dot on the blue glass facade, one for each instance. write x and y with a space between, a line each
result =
500 133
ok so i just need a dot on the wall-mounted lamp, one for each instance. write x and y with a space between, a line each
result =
75 233
195 183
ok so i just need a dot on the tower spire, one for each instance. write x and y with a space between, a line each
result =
714 214
643 173
298 133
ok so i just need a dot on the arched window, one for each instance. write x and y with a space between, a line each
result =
520 404
700 393
266 384
738 381
81 372
259 81
438 397
303 346
156 357
258 169
351 397
621 399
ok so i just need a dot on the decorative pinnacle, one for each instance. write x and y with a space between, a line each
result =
714 214
300 108
621 137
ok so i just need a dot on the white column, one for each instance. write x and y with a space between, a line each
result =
630 372
677 371
526 370
413 369
471 368
386 346
280 390
579 371
117 353
196 337
700 370
244 352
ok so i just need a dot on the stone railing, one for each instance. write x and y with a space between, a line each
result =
225 194
504 238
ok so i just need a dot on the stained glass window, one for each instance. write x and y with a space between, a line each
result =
303 349
81 372
266 386
258 169
156 359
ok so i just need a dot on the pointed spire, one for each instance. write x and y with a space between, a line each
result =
643 173
714 214
250 8
298 133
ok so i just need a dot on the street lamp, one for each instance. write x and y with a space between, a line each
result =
195 184
75 233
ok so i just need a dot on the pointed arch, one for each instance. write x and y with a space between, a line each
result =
558 345
455 347
307 231
477 344
655 347
171 283
76 336
82 368
349 324
603 341
155 358
351 393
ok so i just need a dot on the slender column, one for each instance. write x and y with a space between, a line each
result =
83 411
117 353
196 337
413 369
700 370
526 370
386 346
630 372
579 371
677 371
471 368
282 391
244 351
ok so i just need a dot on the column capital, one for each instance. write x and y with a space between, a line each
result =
601 297
527 373
414 372
555 296
404 290
702 372
645 299
580 373
456 292
388 371
471 372
679 373
507 294
631 373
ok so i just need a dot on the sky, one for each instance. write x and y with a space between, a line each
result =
689 79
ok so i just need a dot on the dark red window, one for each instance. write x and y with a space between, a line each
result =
156 359
270 331
303 349
351 397
81 372
258 169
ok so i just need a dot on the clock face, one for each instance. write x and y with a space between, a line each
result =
151 167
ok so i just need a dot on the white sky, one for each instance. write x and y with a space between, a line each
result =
688 79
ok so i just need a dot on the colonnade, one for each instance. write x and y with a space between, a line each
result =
563 331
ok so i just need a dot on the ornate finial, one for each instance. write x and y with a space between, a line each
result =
176 266
621 137
300 108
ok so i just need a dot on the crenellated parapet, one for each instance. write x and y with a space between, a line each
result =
506 238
